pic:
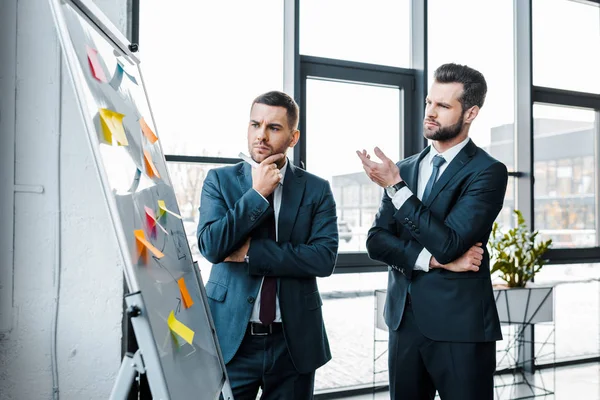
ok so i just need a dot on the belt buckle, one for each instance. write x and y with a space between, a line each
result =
262 333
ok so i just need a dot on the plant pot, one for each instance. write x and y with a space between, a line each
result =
528 305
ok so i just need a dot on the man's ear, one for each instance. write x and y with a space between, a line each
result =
295 138
471 114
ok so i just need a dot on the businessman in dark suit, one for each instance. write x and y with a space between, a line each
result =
269 230
431 229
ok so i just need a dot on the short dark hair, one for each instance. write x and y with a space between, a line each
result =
474 85
280 99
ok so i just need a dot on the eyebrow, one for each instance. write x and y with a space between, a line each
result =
441 103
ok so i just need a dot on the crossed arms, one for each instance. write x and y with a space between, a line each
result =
223 231
464 228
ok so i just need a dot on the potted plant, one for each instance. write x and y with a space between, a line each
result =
518 255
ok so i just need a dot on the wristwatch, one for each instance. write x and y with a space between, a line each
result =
391 190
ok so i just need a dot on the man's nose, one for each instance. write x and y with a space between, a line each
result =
262 134
430 112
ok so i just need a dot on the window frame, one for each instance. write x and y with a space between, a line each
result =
369 74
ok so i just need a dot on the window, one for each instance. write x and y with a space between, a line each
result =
202 88
576 312
480 35
565 164
566 39
375 32
341 118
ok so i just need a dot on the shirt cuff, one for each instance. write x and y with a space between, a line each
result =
423 260
260 195
401 196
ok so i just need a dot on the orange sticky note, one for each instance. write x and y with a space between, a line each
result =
151 170
95 66
112 127
147 131
187 299
162 209
179 328
142 244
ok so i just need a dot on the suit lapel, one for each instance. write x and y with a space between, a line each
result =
293 190
461 159
409 171
245 177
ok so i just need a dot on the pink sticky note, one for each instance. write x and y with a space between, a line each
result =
95 66
150 222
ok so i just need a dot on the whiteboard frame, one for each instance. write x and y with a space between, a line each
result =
90 12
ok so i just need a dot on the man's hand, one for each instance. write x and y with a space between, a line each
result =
239 254
470 261
266 176
384 174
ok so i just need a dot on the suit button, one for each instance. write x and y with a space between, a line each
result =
406 219
250 299
252 218
417 231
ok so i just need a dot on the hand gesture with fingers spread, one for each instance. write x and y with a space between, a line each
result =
266 176
470 261
385 173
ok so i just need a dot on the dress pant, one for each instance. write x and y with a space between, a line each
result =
419 366
263 361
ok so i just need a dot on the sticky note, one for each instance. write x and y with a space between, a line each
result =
151 170
147 131
187 299
179 328
162 209
112 127
117 77
152 223
95 66
142 244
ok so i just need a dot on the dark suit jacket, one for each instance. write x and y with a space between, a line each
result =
460 211
230 212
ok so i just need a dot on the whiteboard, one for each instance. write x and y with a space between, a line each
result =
183 360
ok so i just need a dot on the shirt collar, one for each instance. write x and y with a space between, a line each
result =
283 170
448 154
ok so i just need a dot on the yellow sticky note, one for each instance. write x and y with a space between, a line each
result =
151 170
162 209
147 131
187 299
142 243
179 328
112 127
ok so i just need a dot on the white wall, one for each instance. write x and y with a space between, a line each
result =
36 103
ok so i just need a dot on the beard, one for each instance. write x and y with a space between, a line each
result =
444 133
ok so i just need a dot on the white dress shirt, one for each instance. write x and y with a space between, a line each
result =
277 206
425 169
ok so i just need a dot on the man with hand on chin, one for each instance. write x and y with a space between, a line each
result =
432 229
270 229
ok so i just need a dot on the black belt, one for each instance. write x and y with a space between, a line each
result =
258 329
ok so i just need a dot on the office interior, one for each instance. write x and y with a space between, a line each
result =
360 73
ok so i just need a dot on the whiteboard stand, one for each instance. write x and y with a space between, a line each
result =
145 359
131 365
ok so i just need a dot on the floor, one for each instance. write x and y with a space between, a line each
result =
580 382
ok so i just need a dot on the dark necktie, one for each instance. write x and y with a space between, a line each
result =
269 286
437 163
